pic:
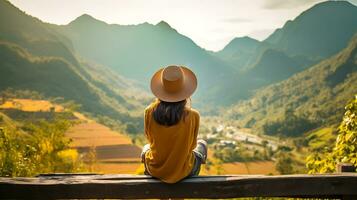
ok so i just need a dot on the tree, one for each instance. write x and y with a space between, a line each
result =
284 164
290 125
345 149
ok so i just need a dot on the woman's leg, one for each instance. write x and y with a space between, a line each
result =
145 149
201 150
200 153
196 166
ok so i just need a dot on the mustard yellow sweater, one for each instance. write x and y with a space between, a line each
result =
170 157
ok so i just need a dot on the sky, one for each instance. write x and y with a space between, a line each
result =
209 23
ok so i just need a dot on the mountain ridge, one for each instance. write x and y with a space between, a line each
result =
317 94
156 45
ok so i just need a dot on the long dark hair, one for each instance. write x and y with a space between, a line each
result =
169 113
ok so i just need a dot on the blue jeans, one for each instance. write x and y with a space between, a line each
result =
200 153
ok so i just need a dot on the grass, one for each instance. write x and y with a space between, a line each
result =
30 105
320 138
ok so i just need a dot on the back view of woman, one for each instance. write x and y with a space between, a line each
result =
171 127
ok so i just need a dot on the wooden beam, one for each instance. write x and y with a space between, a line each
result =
143 187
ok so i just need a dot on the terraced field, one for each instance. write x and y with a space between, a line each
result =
94 134
114 152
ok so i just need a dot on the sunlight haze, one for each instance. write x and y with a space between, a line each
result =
211 24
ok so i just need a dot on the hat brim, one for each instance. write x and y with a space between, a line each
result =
188 88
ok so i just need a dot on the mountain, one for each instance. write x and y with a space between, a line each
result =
36 57
315 96
239 51
319 32
280 67
314 35
137 51
104 56
270 66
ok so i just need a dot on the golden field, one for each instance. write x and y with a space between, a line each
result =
114 152
94 134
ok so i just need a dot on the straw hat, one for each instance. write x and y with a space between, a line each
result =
173 83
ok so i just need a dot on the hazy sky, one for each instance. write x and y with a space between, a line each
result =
210 23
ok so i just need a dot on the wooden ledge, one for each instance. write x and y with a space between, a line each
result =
84 186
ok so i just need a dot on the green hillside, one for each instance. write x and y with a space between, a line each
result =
36 57
272 66
318 32
307 100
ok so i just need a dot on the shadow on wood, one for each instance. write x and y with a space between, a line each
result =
79 186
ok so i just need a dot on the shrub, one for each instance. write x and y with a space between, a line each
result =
345 149
37 148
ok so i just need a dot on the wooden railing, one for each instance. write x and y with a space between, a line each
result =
92 186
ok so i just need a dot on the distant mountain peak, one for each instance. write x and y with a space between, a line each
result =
240 43
334 2
85 18
328 7
163 24
243 39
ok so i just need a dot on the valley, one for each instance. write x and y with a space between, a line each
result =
106 151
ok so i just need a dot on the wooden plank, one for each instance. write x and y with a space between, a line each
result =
142 187
67 174
349 197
